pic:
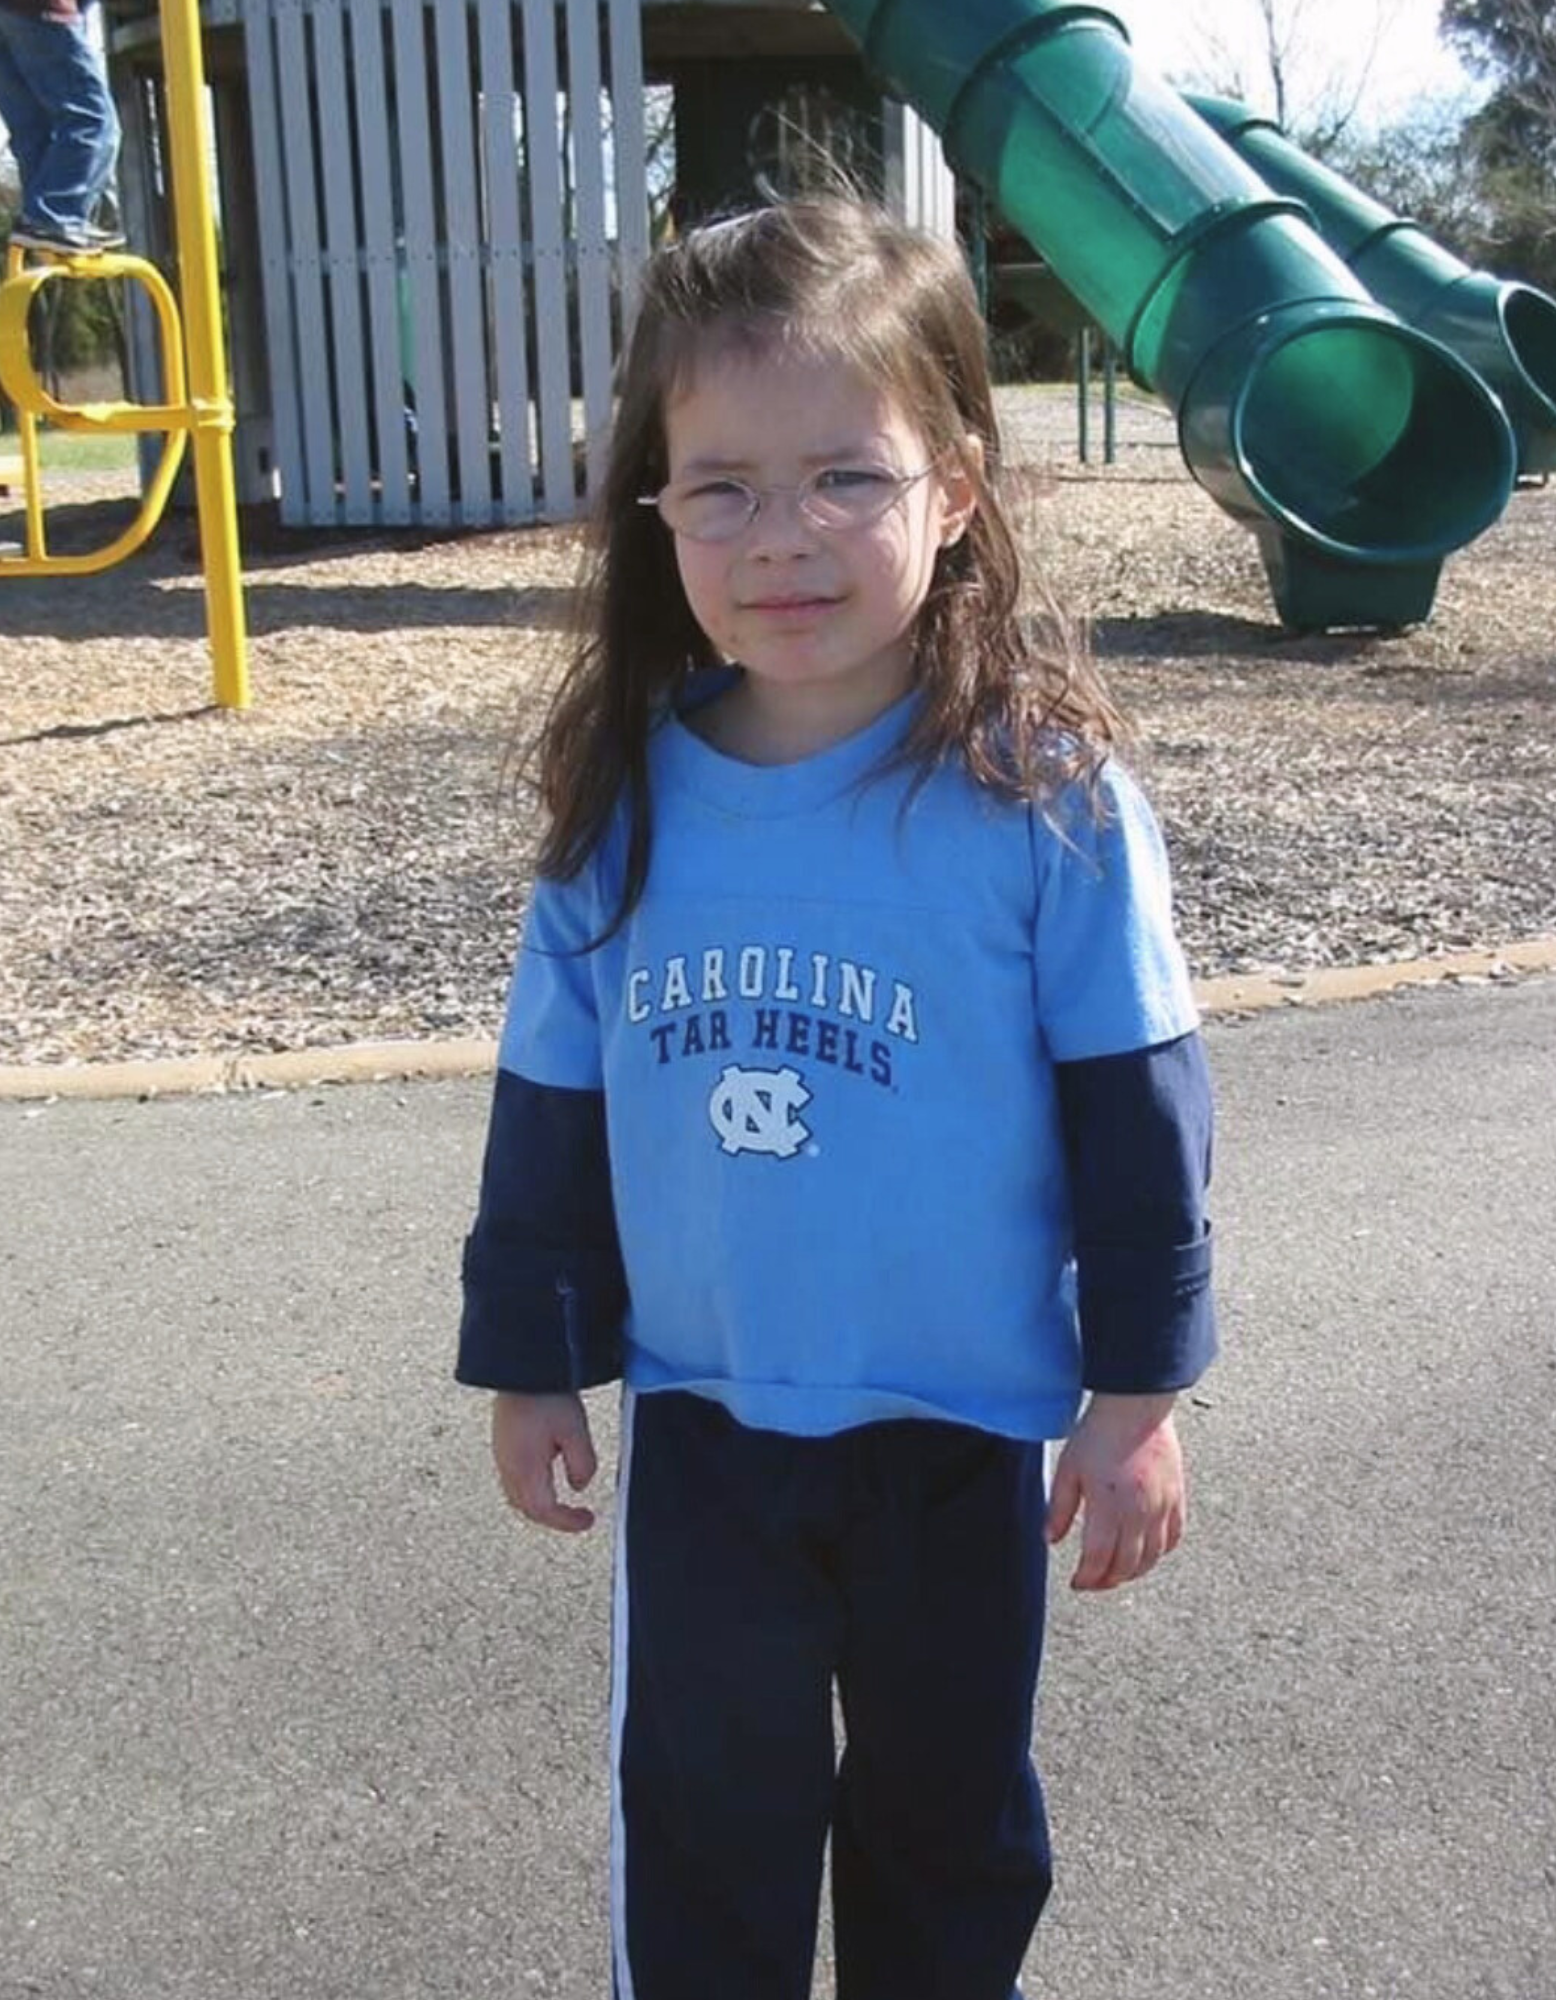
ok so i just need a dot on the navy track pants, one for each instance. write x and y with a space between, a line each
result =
903 1563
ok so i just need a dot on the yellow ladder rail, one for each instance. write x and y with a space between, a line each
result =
20 381
198 406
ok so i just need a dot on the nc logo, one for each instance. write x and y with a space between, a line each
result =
756 1111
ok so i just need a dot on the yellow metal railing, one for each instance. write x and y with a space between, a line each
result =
33 403
198 403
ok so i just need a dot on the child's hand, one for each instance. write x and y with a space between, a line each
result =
1123 1469
528 1434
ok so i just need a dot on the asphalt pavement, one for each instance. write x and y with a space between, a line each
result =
291 1709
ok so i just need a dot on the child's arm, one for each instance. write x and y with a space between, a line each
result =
544 1291
1137 1131
529 1434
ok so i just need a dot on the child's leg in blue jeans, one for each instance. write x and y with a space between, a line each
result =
907 1558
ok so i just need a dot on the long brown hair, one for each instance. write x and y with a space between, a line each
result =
1022 708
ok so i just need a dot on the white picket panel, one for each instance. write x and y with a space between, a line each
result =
500 113
591 244
342 261
461 219
386 363
548 258
411 131
452 219
306 263
275 258
453 216
630 134
920 185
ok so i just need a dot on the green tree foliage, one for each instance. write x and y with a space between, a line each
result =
1510 143
1513 43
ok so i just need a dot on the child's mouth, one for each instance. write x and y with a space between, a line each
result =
790 607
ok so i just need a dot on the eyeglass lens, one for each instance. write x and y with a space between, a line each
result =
835 498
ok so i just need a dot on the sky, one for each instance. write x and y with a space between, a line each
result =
1335 39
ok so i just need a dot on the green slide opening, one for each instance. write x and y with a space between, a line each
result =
1529 321
1341 430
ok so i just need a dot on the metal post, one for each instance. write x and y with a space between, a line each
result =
1109 402
1083 403
209 395
978 248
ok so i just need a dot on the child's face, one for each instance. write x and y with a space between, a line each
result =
821 619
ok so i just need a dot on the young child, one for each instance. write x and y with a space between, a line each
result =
850 1107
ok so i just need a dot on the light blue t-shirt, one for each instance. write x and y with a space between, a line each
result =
826 1039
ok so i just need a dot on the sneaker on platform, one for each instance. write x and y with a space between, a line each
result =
85 242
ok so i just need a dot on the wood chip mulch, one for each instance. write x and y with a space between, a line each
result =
348 859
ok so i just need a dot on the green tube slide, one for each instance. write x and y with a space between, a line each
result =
1504 330
1358 450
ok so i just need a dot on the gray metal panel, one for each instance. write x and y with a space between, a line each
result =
342 262
280 339
138 208
253 438
462 255
592 248
305 264
900 193
413 131
543 155
937 181
920 186
382 262
505 256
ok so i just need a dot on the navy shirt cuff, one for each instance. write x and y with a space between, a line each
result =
545 1294
1148 1322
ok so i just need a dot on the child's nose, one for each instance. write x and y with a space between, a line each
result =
781 522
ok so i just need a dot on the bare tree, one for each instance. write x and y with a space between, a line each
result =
1415 165
1282 57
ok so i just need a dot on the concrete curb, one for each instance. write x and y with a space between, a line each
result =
287 1069
1255 993
396 1062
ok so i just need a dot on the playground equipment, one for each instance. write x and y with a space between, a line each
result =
434 213
1358 450
431 254
195 404
18 294
1504 330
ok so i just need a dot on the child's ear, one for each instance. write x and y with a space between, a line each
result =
959 489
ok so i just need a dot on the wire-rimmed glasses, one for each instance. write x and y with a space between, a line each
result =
835 498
